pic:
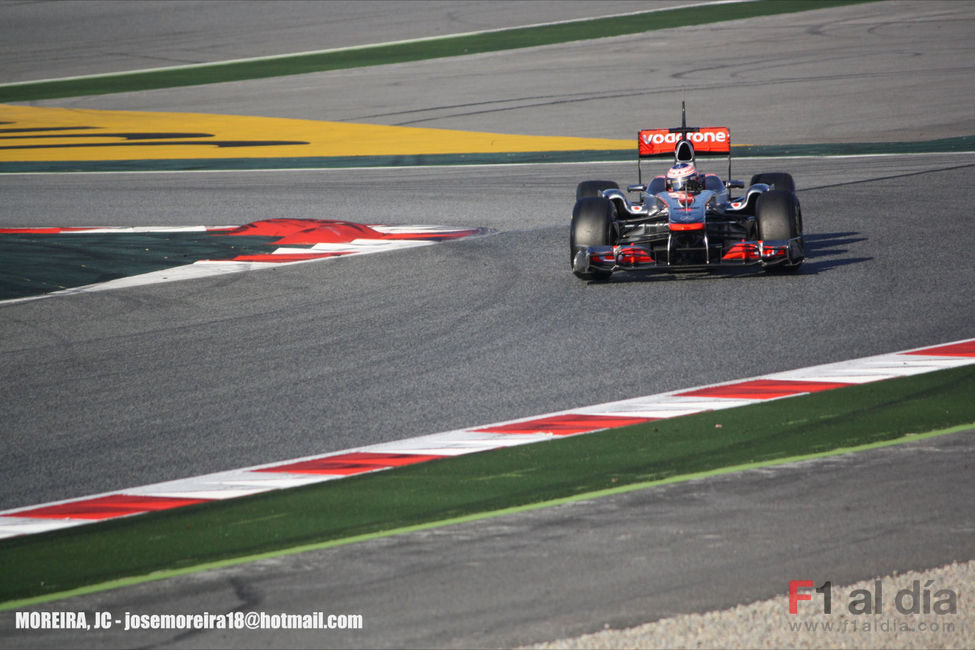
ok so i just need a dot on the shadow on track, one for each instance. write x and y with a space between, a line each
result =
825 251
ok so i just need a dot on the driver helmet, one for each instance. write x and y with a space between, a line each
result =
683 177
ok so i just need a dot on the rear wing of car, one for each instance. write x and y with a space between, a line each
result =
711 140
684 143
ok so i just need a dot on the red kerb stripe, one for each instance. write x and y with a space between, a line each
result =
566 425
351 463
963 349
763 389
115 505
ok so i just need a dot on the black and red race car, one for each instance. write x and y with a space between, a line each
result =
686 219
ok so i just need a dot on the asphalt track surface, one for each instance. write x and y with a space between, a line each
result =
129 387
862 73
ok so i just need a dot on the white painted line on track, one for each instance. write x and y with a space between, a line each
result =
394 168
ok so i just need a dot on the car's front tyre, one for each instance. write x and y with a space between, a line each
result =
594 188
778 180
592 225
779 219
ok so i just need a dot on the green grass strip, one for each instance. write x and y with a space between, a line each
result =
113 553
164 574
418 50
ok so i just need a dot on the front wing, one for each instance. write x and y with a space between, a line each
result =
637 257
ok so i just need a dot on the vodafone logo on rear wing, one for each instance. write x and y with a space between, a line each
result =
707 139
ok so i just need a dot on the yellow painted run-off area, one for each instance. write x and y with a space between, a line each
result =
42 134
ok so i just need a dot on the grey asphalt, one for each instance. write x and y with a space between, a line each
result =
44 40
129 387
862 73
123 388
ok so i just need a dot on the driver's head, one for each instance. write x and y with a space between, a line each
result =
682 177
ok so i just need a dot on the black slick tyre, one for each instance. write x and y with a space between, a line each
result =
593 188
778 180
780 219
592 225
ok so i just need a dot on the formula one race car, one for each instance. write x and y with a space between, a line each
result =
686 220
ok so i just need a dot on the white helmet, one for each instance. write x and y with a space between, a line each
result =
683 177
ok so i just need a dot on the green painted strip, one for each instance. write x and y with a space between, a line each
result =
960 144
623 489
459 489
447 46
35 264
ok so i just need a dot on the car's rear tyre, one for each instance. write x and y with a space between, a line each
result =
593 188
592 225
778 180
780 219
